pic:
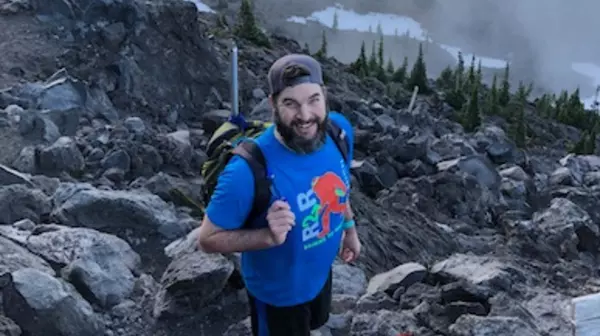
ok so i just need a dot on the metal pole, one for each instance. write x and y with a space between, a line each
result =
235 103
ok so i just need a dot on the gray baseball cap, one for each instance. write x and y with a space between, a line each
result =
277 82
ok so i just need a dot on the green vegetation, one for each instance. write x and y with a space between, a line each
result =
247 27
463 90
336 22
321 54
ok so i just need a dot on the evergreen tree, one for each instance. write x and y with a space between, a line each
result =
471 118
471 75
460 70
390 67
446 78
418 75
322 52
543 106
478 74
336 24
370 29
247 27
360 66
373 64
493 105
520 128
580 147
504 96
591 146
380 59
522 92
379 29
399 75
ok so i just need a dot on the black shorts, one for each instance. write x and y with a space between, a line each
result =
296 320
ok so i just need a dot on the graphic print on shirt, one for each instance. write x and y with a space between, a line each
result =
326 197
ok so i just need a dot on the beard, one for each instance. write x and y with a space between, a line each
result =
298 143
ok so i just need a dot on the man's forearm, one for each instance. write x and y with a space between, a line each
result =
229 241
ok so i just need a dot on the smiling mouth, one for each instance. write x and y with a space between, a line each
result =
304 127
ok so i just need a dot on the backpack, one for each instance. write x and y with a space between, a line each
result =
232 139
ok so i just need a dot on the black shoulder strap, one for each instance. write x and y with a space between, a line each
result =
339 137
250 151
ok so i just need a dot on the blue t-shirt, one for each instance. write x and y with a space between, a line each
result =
316 185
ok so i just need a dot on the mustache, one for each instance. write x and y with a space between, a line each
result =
297 122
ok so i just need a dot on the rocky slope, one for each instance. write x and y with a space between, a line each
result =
464 234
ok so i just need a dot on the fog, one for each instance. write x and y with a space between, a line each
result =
551 34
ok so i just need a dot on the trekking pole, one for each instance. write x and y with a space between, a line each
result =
413 98
235 103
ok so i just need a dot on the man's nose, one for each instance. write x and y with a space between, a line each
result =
304 112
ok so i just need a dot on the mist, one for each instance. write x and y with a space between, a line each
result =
541 38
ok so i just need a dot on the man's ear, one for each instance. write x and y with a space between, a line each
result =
271 102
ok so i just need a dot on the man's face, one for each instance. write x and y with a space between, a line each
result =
300 114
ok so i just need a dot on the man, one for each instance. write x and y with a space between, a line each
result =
288 254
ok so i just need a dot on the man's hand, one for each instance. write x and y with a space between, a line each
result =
350 246
281 221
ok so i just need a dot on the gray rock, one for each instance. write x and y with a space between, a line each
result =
8 327
383 322
16 257
472 325
566 225
17 201
488 273
96 263
56 306
404 275
62 155
179 283
135 125
84 205
10 176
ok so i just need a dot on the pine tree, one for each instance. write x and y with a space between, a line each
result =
579 147
373 64
360 66
460 70
471 74
520 126
380 59
390 67
399 75
591 147
504 96
418 75
472 119
379 29
247 27
336 23
478 74
445 80
322 52
493 105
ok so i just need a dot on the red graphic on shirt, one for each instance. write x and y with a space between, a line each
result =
329 188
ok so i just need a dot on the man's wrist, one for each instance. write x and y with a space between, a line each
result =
348 224
269 241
